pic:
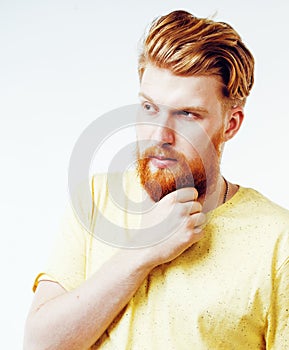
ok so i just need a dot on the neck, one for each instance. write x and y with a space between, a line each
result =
215 195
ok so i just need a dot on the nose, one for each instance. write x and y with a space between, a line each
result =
164 132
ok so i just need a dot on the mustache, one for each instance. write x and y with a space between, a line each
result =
166 152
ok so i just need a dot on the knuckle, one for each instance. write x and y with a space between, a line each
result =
172 197
200 219
196 194
197 207
198 230
197 219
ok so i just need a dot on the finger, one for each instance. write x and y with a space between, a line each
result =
195 207
197 220
186 194
198 230
192 207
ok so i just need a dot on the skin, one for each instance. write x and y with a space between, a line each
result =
60 319
190 114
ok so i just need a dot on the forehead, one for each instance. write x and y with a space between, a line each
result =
165 88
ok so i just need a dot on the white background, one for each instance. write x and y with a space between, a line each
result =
64 63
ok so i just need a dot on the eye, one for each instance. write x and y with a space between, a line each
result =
186 114
149 108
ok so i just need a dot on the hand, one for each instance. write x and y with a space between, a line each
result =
180 218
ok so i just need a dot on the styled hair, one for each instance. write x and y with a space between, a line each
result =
188 45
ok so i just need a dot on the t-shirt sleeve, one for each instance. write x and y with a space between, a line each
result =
277 336
67 260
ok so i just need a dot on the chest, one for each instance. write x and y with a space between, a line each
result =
204 297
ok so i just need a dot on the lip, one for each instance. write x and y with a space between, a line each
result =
162 162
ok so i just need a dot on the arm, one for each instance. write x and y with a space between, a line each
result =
76 319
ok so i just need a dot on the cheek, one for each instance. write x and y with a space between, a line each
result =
142 132
198 145
144 137
191 142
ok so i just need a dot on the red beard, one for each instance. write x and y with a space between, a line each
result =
182 173
166 180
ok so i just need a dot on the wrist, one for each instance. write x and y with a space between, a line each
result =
137 260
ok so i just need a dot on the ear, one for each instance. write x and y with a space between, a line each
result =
233 121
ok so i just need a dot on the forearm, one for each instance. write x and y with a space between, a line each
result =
76 319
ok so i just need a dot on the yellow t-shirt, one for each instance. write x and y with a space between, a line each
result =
229 291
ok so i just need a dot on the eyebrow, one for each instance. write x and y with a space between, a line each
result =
185 108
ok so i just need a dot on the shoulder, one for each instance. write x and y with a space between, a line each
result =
262 205
267 221
117 185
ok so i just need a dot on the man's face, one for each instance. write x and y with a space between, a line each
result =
180 140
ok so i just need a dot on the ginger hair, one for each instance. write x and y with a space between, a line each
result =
191 46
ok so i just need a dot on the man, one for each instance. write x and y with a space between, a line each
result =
220 279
